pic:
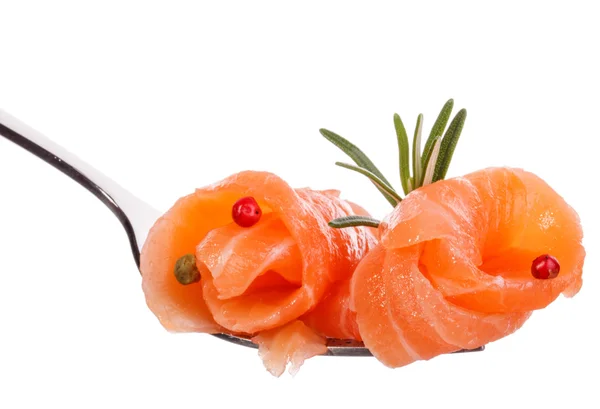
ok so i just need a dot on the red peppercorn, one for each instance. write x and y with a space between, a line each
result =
544 267
246 212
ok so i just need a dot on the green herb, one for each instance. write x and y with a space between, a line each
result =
357 156
438 127
430 161
449 144
417 153
403 148
428 166
352 221
395 198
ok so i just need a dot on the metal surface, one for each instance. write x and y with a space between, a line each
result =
114 197
336 347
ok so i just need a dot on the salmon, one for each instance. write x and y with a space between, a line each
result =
333 316
291 344
453 266
448 269
254 280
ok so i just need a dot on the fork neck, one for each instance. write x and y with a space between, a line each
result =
135 215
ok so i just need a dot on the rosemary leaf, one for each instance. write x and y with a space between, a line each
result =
351 221
438 128
403 149
357 156
430 161
416 160
449 144
390 193
353 152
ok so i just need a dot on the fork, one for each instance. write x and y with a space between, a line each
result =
135 215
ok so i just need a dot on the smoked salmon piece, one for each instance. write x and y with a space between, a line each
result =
453 267
253 279
291 344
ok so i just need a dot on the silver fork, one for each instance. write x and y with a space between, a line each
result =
136 216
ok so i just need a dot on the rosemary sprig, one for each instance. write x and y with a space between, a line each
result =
352 221
428 166
394 197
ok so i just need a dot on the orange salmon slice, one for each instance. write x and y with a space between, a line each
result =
257 281
453 268
237 257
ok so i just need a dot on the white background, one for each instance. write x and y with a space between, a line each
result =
168 96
